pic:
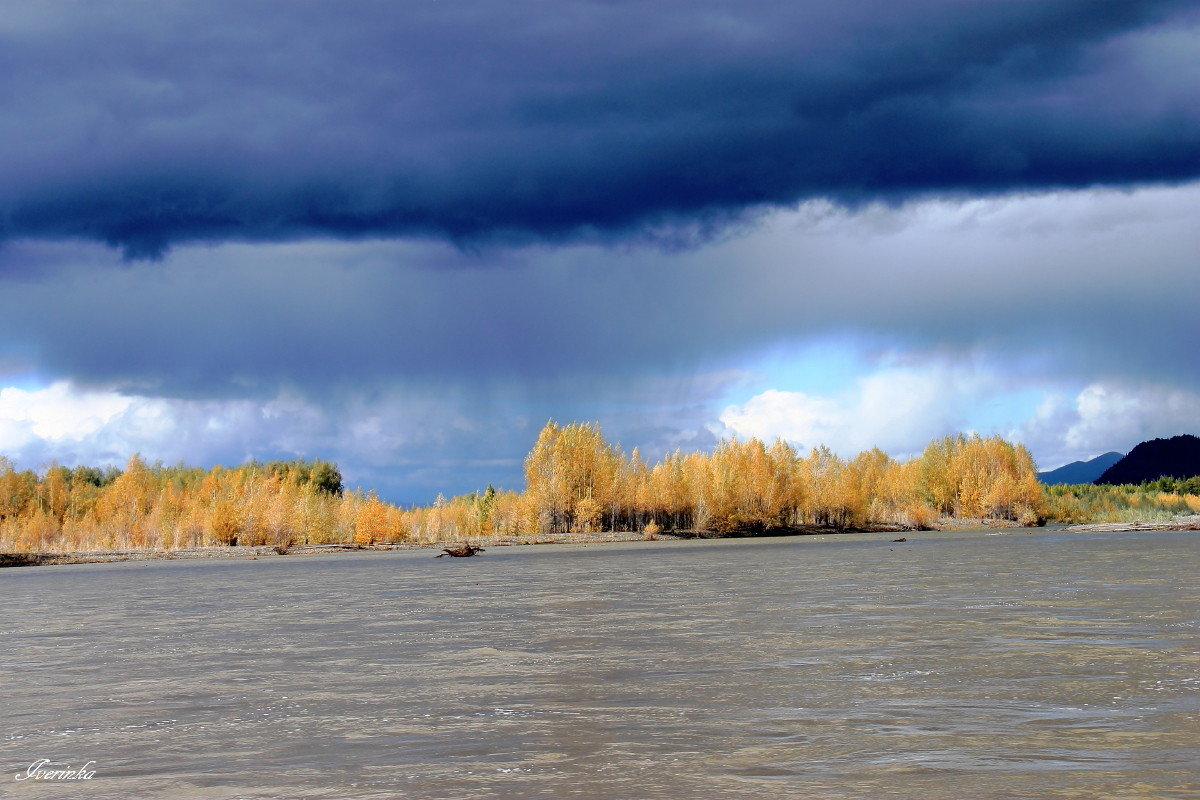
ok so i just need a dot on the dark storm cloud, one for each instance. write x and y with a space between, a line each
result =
144 125
1085 283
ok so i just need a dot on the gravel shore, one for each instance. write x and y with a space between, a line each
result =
1190 522
268 551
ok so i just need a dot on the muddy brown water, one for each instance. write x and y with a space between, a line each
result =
954 665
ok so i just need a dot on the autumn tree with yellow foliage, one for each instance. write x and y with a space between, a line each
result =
576 481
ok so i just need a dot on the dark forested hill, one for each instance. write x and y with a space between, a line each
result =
1080 471
1177 457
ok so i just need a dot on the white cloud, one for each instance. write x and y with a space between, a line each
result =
798 417
1107 416
72 425
56 412
897 409
901 409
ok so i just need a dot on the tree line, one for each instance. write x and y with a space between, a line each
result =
278 503
576 481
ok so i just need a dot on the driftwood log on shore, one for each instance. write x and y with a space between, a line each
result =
466 551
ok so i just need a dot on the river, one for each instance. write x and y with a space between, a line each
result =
1013 664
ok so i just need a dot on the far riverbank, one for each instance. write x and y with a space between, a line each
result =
1191 522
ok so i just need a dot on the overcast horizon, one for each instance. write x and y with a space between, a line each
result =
403 237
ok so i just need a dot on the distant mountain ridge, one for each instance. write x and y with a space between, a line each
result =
1177 457
1080 471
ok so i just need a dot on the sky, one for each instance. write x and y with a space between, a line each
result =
404 236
